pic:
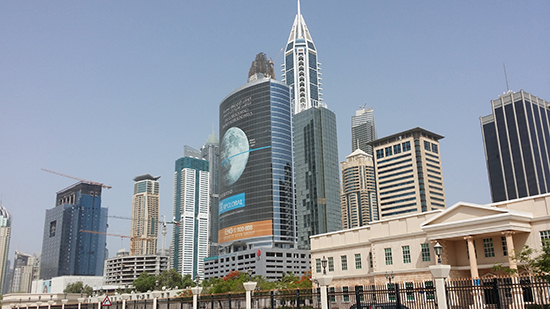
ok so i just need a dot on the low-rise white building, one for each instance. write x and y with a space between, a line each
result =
58 284
474 238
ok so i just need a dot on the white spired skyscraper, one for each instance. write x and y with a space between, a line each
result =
301 70
145 215
315 143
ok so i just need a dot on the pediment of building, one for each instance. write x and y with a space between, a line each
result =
463 219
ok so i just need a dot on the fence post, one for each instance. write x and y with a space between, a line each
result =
357 298
397 297
297 298
496 293
229 300
272 298
211 301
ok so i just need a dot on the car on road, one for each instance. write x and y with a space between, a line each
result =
379 306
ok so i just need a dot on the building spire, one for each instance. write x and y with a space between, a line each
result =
300 21
301 67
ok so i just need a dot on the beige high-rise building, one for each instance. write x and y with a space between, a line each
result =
5 234
408 173
145 215
358 194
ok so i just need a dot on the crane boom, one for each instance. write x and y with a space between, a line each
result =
76 178
164 222
132 238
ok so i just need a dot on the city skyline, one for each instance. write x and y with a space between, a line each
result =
98 70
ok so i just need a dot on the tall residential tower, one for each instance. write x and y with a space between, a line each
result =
5 235
516 138
408 173
145 215
191 208
359 203
315 140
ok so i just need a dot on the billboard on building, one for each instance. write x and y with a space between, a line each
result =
246 198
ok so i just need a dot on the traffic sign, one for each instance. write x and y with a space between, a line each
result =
106 301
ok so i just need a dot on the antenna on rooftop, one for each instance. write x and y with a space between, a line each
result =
506 77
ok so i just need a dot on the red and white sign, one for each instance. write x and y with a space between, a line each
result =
106 301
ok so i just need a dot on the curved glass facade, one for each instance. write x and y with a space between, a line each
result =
256 196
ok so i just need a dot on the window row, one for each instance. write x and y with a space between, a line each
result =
391 150
383 293
431 147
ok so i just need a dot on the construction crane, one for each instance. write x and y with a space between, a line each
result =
163 222
132 243
79 179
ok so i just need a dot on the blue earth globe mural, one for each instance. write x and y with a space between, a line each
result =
234 155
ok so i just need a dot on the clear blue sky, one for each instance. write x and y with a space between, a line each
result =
108 90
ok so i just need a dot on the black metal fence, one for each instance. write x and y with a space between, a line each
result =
488 293
500 293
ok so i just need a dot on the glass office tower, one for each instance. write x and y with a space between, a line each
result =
318 207
255 176
67 250
363 130
516 138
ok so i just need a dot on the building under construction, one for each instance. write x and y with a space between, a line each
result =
66 250
123 269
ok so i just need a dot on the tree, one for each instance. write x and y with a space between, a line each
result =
292 281
187 281
145 282
538 265
79 287
170 279
542 262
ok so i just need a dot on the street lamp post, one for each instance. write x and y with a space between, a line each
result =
324 264
196 290
249 287
440 272
438 251
324 282
390 276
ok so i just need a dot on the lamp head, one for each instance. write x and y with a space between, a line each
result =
438 248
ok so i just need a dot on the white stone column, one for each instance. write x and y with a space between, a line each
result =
80 301
324 282
125 297
156 295
249 287
511 251
99 300
196 292
440 273
517 294
473 259
478 297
